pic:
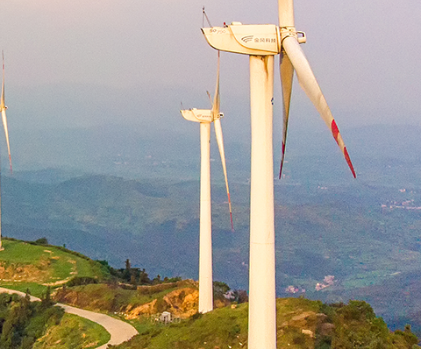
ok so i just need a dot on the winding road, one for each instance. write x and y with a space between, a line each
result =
120 331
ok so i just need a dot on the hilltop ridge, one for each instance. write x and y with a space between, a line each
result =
77 280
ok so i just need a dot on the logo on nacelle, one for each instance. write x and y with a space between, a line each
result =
247 38
250 38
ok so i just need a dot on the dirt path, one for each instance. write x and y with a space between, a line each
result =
120 331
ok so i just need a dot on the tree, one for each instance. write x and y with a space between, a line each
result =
144 278
42 241
46 298
219 289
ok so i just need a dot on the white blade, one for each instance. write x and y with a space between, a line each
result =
3 116
2 103
216 98
309 84
210 100
220 141
286 13
6 132
287 74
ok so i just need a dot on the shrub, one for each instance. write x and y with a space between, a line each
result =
81 280
42 241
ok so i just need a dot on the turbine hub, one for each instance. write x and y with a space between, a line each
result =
291 31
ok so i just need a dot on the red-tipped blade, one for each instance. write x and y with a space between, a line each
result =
309 84
287 74
338 138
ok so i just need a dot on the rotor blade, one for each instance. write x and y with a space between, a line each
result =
287 74
309 84
286 13
210 99
220 141
6 132
2 103
3 116
216 97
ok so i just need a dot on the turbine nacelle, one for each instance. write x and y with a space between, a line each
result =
250 39
200 115
256 39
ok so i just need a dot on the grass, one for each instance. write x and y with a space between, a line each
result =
108 298
222 327
21 251
35 289
142 325
26 266
73 332
354 324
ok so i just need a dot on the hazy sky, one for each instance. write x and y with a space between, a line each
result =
82 63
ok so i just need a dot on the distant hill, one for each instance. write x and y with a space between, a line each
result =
321 230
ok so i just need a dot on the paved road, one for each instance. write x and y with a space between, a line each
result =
120 331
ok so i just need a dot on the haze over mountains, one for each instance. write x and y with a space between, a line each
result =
378 151
117 192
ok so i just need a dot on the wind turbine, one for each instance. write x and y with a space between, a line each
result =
4 119
262 43
205 117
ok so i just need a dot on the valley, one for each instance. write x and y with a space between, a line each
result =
331 230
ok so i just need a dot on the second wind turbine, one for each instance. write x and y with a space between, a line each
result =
3 108
205 117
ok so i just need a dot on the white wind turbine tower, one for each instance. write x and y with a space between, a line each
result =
261 43
205 117
3 117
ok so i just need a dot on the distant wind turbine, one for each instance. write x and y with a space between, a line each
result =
205 117
4 119
6 132
261 43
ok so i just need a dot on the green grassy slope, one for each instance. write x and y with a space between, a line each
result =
73 332
25 265
35 267
301 324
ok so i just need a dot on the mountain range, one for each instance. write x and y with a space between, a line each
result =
135 195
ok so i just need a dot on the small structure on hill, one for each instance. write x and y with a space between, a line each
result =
165 317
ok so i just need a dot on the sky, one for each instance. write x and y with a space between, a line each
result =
84 64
